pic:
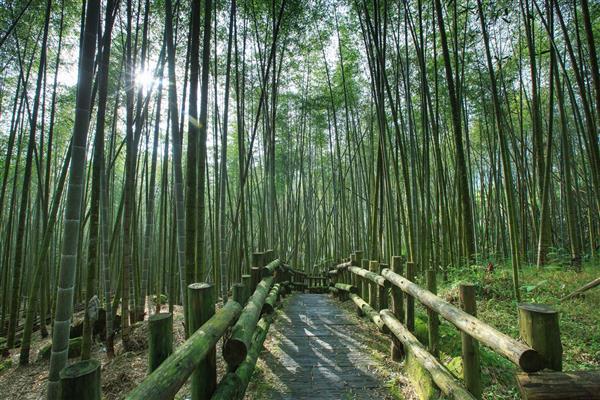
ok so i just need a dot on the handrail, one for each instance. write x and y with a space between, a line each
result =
440 375
237 346
167 379
370 275
522 355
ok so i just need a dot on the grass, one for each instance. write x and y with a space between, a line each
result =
579 318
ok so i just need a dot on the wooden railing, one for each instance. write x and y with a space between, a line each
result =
246 318
371 285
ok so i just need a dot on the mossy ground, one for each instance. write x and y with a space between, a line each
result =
579 318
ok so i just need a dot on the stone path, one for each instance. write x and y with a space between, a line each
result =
320 354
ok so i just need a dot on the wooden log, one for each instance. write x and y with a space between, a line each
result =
346 288
442 378
201 307
269 255
538 326
81 381
368 275
382 291
343 265
358 257
238 292
410 301
247 281
256 276
470 347
270 268
366 309
524 356
396 349
364 290
579 385
236 347
432 318
234 384
587 286
258 261
160 342
271 300
372 299
166 380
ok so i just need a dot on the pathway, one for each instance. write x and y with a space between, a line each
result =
320 354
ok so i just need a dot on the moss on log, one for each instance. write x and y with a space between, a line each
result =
440 375
522 355
234 384
366 309
269 306
270 268
166 380
236 347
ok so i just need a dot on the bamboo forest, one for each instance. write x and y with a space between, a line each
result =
299 199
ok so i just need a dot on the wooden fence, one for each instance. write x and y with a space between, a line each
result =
243 323
386 297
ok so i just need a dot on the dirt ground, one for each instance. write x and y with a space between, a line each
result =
119 375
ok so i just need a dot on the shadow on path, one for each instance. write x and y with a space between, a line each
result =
319 354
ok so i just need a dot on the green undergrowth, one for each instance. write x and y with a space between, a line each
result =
579 318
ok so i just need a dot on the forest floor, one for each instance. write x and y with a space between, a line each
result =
119 375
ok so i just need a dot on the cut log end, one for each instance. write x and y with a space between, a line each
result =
531 361
80 368
234 352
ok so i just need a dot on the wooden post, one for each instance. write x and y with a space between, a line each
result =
432 318
258 261
201 303
470 347
238 292
255 277
410 301
81 381
364 292
396 348
246 281
351 277
160 343
538 326
372 286
382 291
356 262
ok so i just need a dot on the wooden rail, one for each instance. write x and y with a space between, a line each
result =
524 356
368 283
250 324
167 379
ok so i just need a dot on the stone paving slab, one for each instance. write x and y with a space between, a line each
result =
319 354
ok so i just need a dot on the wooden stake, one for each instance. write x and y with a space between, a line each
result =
470 347
201 303
396 348
410 301
160 343
538 326
81 381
